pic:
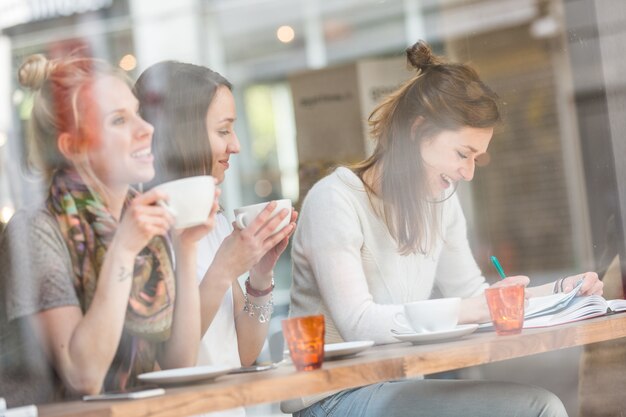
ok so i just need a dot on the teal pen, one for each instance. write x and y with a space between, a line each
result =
498 267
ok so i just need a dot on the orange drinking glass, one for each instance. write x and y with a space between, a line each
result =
305 338
506 307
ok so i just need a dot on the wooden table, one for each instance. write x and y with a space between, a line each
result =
380 363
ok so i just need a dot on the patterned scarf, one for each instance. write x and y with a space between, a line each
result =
88 227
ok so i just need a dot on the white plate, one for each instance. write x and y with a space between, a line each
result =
191 374
340 350
459 331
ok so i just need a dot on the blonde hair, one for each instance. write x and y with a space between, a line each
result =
57 85
442 96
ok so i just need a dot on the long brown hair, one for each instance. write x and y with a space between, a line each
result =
440 96
175 98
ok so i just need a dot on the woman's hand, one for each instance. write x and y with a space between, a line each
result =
268 261
142 220
514 280
193 234
591 284
244 248
475 310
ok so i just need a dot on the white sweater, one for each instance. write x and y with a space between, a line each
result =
347 266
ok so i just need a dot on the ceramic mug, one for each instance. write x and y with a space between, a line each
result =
190 199
439 314
245 215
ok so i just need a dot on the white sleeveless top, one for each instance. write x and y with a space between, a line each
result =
219 344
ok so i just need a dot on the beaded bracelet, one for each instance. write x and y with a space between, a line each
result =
258 293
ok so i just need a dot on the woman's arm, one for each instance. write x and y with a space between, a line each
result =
474 309
181 349
82 346
238 253
251 333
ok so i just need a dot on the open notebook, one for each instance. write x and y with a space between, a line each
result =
554 309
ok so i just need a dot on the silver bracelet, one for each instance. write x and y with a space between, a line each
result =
263 312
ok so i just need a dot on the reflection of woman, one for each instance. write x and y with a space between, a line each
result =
193 111
89 294
385 232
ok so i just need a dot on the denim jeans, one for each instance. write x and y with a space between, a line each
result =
439 398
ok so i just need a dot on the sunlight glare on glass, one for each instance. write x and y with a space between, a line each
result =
18 97
3 139
6 213
128 62
285 34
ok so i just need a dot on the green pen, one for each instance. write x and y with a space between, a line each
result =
498 267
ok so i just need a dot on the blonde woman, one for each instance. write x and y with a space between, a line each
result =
90 294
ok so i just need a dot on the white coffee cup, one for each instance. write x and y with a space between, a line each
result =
434 315
190 199
245 215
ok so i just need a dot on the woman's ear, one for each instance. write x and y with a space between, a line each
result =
66 145
416 123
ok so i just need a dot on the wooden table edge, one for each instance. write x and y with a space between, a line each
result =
381 363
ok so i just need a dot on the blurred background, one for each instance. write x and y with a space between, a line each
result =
548 201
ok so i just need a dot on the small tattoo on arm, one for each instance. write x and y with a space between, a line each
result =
124 274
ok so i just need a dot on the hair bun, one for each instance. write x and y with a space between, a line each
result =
421 56
34 71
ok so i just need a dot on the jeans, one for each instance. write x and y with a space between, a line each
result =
439 398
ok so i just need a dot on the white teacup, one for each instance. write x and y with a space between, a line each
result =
245 215
434 315
190 199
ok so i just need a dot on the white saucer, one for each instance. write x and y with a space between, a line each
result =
458 331
191 374
341 350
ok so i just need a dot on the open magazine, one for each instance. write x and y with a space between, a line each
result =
554 309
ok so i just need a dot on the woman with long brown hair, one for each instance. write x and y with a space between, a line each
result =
387 231
193 111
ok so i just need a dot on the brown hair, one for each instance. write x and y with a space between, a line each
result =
441 96
175 98
59 87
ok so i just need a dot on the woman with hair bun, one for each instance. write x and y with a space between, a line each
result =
90 294
384 232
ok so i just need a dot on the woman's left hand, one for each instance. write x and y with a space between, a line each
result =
268 261
591 284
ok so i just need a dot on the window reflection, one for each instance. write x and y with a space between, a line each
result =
549 200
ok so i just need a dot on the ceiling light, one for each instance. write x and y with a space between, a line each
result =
285 34
128 62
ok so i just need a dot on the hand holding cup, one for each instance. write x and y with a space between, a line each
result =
246 215
190 199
